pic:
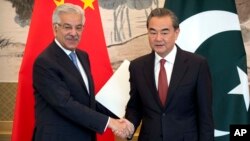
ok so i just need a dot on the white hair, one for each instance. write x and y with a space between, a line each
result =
66 8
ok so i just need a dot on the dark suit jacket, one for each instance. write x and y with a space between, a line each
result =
187 115
64 110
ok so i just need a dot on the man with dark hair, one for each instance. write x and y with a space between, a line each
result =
170 89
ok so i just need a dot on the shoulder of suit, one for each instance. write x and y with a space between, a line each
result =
192 55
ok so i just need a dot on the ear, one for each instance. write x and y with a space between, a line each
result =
55 28
177 31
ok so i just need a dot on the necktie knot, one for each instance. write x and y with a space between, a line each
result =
72 56
162 62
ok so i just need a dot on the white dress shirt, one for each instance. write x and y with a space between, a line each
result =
170 58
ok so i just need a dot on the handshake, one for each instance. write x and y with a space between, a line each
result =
121 127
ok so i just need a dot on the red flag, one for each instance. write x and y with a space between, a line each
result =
40 35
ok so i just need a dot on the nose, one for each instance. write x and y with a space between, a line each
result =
158 36
73 31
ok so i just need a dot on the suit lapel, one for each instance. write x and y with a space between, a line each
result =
64 60
179 70
84 61
150 77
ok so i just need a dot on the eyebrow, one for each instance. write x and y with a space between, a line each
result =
72 25
164 29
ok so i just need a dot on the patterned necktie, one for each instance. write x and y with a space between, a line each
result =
162 82
72 56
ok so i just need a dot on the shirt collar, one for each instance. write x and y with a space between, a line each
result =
170 58
65 50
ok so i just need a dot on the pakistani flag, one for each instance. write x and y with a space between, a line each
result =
211 28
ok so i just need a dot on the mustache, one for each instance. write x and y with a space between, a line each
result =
71 37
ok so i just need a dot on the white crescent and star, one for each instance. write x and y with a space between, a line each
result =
242 88
216 21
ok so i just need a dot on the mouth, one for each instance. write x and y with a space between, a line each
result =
159 45
72 40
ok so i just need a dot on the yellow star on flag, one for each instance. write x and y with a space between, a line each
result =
88 3
59 2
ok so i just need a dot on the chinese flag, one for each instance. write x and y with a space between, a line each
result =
40 35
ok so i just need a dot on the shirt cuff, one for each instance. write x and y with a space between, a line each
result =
107 124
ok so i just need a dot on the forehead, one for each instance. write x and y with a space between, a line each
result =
71 18
160 22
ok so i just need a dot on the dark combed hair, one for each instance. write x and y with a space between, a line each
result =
161 12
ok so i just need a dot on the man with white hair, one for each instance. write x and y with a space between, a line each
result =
65 106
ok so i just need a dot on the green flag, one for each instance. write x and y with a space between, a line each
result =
211 28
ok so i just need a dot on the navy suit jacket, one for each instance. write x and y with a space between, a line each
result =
64 110
187 115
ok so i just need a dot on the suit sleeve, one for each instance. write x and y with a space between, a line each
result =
204 97
133 109
50 86
104 110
